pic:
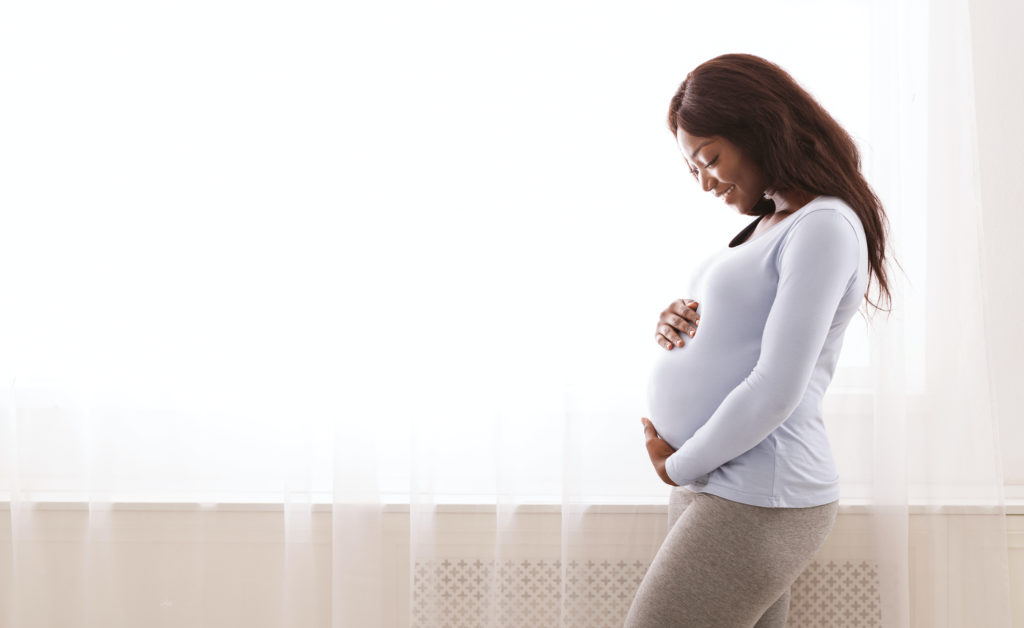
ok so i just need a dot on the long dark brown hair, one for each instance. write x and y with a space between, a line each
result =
797 145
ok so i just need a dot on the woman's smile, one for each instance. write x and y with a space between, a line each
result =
722 169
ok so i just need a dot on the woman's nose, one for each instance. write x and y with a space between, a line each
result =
706 182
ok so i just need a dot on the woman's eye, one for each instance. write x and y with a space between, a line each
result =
712 162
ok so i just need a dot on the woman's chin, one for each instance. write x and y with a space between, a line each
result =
746 209
742 205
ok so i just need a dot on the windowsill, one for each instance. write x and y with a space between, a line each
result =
1013 507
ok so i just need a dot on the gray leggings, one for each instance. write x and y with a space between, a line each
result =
725 564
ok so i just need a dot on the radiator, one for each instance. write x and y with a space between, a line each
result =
466 593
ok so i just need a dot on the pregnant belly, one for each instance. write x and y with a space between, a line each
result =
687 384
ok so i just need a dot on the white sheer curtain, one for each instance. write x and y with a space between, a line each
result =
398 264
935 433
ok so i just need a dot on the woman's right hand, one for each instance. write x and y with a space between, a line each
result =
679 319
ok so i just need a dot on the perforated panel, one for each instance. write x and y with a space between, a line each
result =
457 593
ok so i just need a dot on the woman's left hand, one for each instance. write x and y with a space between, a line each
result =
658 450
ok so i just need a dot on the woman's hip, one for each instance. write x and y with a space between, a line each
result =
714 521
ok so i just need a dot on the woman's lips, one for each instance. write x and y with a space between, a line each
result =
725 196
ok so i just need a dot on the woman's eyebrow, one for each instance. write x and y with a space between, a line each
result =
694 155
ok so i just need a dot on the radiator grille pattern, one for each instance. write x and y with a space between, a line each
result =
457 593
836 595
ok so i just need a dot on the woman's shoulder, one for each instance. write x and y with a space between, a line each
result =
824 206
828 203
826 223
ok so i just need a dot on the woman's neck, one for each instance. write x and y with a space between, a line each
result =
787 202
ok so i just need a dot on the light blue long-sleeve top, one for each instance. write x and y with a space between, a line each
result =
741 401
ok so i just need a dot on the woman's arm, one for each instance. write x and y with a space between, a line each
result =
816 263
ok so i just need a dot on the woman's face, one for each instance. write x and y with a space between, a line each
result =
722 169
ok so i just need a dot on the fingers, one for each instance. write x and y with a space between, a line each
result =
649 431
682 325
681 310
679 319
668 337
684 307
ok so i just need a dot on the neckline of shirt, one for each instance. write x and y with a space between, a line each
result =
765 233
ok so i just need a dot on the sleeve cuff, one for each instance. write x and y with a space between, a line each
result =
673 474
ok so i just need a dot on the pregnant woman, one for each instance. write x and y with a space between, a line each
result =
735 422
